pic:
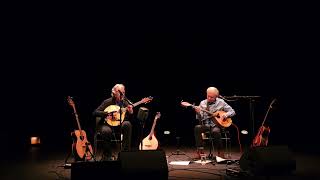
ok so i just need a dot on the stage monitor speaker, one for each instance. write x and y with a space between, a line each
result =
269 160
145 164
95 170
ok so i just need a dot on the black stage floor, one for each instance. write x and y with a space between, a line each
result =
37 163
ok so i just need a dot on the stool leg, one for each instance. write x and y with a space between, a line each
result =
210 156
95 145
228 145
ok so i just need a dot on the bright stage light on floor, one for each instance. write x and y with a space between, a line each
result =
244 132
35 140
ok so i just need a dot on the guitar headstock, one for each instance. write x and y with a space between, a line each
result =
70 101
146 99
158 115
185 104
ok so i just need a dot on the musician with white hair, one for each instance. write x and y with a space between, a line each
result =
210 112
115 112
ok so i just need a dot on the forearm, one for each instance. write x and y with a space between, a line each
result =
230 112
99 113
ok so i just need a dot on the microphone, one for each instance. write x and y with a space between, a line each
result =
125 98
222 97
121 94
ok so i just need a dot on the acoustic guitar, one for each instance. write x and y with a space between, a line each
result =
81 147
150 142
216 116
261 139
113 112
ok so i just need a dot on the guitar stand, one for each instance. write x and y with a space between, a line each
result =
120 119
91 154
66 164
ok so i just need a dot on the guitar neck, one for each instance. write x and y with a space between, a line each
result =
270 107
78 123
137 103
72 104
204 110
77 118
153 126
134 105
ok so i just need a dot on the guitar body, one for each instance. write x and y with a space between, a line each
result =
80 145
149 143
219 120
262 137
113 115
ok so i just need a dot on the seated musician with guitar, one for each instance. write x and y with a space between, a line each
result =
116 111
109 111
213 114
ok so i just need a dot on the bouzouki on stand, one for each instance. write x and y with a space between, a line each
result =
150 142
261 139
113 117
81 147
216 116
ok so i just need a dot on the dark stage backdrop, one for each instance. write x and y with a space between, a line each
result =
171 66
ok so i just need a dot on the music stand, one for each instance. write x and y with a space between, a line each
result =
251 108
142 117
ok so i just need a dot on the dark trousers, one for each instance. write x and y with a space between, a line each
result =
215 132
107 135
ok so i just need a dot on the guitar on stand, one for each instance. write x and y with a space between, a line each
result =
81 147
261 138
150 142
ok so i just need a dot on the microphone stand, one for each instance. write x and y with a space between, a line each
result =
122 99
120 111
251 108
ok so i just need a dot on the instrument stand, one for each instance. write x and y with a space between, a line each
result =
178 152
91 154
211 149
66 164
120 111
